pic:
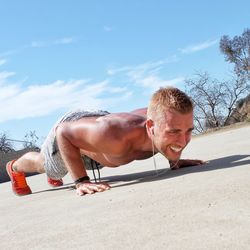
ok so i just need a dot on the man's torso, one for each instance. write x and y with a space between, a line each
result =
125 138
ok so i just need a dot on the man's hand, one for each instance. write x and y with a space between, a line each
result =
91 188
185 163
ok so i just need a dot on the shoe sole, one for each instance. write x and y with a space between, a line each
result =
51 185
54 186
11 179
7 169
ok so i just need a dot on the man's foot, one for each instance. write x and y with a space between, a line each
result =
55 183
18 181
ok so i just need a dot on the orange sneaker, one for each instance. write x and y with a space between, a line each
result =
18 181
55 183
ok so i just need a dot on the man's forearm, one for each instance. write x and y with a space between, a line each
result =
71 156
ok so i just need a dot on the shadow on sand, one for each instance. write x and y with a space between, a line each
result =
165 173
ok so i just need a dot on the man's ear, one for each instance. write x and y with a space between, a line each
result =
150 126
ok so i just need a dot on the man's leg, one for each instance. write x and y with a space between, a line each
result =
31 162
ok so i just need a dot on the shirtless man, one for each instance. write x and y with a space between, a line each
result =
111 140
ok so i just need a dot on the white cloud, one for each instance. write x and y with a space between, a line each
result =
147 75
40 44
4 75
22 101
36 44
145 67
7 92
2 61
65 40
199 47
114 71
117 90
154 82
8 53
116 102
42 100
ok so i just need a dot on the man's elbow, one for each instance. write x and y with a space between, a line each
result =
61 132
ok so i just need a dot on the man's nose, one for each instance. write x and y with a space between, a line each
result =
183 140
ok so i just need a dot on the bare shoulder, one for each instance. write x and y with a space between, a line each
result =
113 123
122 130
118 124
112 133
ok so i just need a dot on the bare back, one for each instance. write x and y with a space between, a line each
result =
111 140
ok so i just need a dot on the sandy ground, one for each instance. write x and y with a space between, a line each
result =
206 207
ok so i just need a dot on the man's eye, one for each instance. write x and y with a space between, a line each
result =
173 132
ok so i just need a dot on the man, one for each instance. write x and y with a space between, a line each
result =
110 140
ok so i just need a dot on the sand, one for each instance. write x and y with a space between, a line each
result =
202 207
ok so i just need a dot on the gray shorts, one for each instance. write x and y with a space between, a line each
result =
53 164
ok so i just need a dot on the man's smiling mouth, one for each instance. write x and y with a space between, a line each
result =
176 148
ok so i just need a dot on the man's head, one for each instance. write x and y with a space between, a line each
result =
170 121
168 98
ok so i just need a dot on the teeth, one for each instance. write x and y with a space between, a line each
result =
176 149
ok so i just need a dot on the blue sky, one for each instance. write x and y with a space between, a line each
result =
56 55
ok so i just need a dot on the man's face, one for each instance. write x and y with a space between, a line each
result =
172 134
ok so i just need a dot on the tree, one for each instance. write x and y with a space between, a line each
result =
30 140
5 144
237 51
214 100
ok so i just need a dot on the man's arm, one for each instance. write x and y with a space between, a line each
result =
70 138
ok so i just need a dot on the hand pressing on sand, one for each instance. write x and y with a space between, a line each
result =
185 163
91 188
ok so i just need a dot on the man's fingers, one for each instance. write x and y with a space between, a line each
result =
192 162
199 162
80 192
84 190
196 162
186 163
99 187
104 185
90 188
